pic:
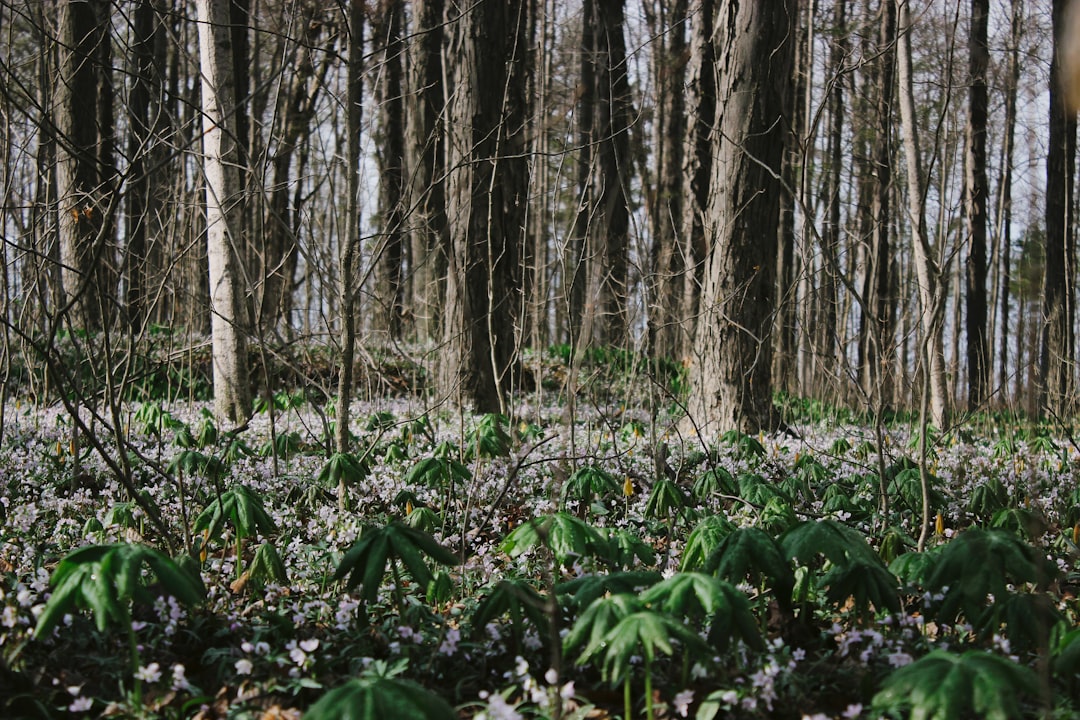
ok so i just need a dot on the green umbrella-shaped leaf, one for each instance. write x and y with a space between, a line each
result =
590 629
587 588
752 554
365 563
978 563
943 685
703 539
665 498
836 541
378 698
105 578
567 536
516 598
704 597
624 547
267 565
644 632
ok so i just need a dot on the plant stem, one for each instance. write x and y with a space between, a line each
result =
627 705
648 690
133 648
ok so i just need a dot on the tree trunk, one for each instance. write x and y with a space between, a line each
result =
876 345
975 196
277 256
430 239
785 351
577 259
389 245
1003 242
667 21
537 261
697 173
1058 309
486 201
830 281
347 275
605 318
731 374
140 198
927 271
80 175
224 201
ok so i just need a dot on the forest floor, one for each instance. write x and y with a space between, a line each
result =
584 564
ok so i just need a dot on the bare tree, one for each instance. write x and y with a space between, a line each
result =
429 238
1059 312
224 198
875 344
667 23
701 108
976 191
731 374
487 187
390 246
82 109
928 272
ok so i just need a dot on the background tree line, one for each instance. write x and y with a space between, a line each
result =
868 202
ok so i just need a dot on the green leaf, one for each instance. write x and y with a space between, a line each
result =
365 563
716 481
623 547
342 467
489 438
587 588
437 472
591 627
978 563
703 540
568 537
242 507
195 463
643 632
944 686
378 698
665 498
836 541
913 568
698 596
515 597
589 481
267 566
752 554
869 585
106 578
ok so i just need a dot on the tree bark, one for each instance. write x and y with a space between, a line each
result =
429 239
1058 309
1003 242
81 176
486 202
350 244
390 246
827 345
731 375
604 217
976 191
927 270
224 201
876 345
667 22
697 157
277 256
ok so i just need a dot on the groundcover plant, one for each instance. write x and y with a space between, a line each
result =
506 567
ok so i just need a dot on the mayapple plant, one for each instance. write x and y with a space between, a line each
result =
106 580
